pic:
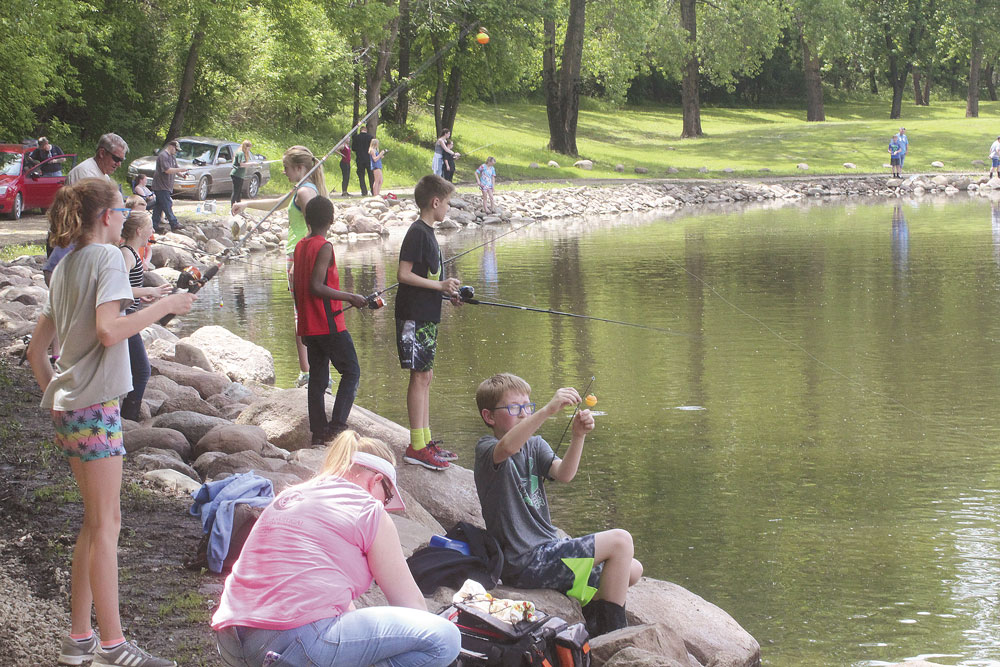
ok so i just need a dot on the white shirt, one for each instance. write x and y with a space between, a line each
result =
995 149
86 169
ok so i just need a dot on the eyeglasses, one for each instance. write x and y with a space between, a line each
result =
388 492
115 158
123 211
515 409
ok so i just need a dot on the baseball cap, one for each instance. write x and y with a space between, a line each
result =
380 465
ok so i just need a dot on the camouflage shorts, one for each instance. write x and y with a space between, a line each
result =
416 343
564 565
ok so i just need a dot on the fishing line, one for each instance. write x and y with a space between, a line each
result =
809 354
576 409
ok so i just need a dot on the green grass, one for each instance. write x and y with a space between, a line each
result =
745 140
191 606
11 252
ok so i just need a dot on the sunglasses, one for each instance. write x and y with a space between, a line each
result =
388 492
114 158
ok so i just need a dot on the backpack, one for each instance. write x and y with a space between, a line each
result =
548 641
432 567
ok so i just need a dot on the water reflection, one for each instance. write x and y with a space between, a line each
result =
837 493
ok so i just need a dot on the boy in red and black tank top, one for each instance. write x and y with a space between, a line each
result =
321 325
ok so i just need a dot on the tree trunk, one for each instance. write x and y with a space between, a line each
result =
814 81
690 105
918 95
187 86
975 62
375 72
897 75
927 88
403 63
357 98
872 83
567 107
452 96
550 83
991 86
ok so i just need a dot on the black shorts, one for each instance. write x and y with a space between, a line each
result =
895 161
565 565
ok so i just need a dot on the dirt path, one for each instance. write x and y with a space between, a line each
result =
164 606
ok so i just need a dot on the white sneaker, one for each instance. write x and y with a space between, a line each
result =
129 655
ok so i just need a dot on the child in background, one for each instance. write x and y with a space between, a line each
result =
485 176
321 323
418 312
376 156
89 290
297 161
136 231
510 471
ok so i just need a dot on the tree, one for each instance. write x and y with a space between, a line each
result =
561 83
965 38
821 28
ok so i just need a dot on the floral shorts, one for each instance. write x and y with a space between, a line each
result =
90 433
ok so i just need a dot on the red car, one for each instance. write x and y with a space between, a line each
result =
22 188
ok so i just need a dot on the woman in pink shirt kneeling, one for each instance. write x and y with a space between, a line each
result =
312 552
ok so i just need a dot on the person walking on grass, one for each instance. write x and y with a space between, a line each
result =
418 312
995 158
163 186
376 156
485 176
895 150
297 161
90 289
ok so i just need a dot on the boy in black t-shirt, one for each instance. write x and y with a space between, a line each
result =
418 312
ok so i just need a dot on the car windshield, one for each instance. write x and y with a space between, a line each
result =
10 164
191 150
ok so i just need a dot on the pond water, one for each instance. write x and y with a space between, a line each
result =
812 447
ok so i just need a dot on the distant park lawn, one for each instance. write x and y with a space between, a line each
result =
745 140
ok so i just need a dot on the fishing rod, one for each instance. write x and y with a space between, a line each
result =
223 257
467 295
576 409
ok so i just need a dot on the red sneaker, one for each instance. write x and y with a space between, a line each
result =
443 454
425 457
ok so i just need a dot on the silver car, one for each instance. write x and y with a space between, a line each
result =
209 162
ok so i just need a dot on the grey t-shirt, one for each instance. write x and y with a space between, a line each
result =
161 179
87 372
512 494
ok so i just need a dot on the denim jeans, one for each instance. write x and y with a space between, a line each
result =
383 636
338 349
164 206
140 376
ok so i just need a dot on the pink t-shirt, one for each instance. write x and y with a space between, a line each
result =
306 558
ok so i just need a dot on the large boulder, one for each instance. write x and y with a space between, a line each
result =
30 295
193 425
167 388
176 403
412 535
284 417
636 657
655 639
586 165
232 438
173 481
238 359
206 383
449 495
189 355
152 458
709 633
238 462
158 438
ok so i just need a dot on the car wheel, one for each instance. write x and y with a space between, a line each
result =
203 188
18 208
254 186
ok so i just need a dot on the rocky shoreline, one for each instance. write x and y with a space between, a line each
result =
211 409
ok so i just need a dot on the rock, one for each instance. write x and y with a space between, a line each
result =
636 657
233 411
492 220
640 170
994 183
894 182
533 165
815 192
671 170
193 425
656 639
171 480
280 480
802 165
284 418
365 225
978 163
449 495
177 403
339 227
151 458
766 170
238 359
586 165
708 631
937 164
448 223
162 385
232 438
204 382
850 165
620 168
553 163
951 190
157 438
412 535
940 181
702 170
30 295
189 355
156 332
238 393
213 467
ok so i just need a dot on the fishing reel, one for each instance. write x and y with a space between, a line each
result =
466 292
191 277
375 301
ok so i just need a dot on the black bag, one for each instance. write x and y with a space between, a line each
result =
548 641
432 567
